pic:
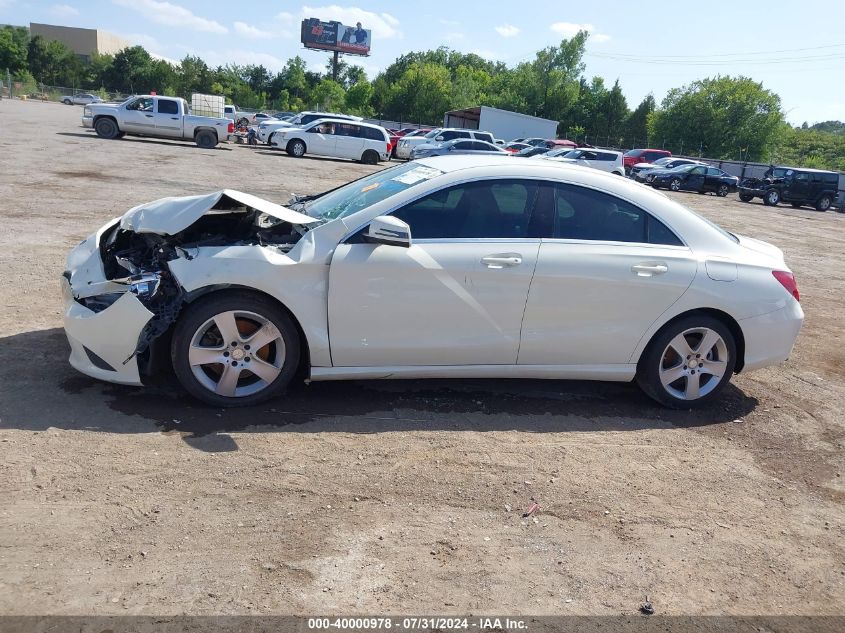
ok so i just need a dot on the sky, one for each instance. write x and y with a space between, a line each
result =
796 49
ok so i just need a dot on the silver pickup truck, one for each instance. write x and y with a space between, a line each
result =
162 117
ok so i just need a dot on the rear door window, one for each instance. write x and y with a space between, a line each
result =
587 214
484 136
168 106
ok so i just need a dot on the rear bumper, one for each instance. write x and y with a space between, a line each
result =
769 338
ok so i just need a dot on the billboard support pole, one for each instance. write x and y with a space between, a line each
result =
335 62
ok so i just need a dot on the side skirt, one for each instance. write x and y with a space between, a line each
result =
615 373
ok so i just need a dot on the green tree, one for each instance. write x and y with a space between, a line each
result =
636 125
422 94
13 49
358 98
130 70
329 95
722 117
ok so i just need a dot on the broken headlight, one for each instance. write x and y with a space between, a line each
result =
143 285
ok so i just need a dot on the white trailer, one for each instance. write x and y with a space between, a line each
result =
502 124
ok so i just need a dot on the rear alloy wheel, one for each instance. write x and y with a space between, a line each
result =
722 191
771 197
206 139
235 349
106 128
688 362
296 148
824 203
675 185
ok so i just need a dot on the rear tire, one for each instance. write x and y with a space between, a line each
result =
688 362
370 157
67 102
296 148
824 203
771 197
722 191
205 139
106 128
746 197
217 370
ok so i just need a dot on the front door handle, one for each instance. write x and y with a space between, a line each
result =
149 116
505 260
649 269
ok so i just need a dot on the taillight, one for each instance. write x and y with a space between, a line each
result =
231 127
389 146
787 280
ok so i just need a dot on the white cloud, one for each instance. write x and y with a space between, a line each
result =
450 22
570 29
63 11
383 26
174 15
141 39
453 36
242 28
507 30
286 18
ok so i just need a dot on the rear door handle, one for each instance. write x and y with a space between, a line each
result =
649 269
149 116
505 260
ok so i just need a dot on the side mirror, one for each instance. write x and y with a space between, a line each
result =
438 138
386 229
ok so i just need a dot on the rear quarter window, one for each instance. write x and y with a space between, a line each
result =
483 136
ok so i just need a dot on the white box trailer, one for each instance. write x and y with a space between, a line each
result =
502 124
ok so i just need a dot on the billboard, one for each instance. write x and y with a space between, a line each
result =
334 36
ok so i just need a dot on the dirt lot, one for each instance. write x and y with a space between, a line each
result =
397 497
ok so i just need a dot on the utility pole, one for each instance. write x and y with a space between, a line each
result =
335 64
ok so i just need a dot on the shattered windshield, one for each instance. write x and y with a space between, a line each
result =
367 191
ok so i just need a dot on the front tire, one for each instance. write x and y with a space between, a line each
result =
675 185
688 362
722 191
235 349
296 148
771 197
106 128
67 102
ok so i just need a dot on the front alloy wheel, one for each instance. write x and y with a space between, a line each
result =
722 191
688 363
675 185
235 349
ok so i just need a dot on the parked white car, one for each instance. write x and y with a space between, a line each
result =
338 138
604 159
82 98
266 129
447 267
407 144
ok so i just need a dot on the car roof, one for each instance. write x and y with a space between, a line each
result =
346 121
808 170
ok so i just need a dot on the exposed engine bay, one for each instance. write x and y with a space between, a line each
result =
136 251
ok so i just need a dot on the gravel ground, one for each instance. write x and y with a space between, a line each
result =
394 497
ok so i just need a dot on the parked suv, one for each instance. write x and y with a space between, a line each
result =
604 159
794 185
338 138
438 135
634 156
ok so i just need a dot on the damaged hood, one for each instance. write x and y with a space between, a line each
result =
169 216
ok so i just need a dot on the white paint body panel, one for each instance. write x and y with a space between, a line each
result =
431 304
588 306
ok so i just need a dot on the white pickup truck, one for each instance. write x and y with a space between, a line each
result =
161 117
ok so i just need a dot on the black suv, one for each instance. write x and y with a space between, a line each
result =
794 185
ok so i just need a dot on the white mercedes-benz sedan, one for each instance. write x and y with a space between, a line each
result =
456 266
